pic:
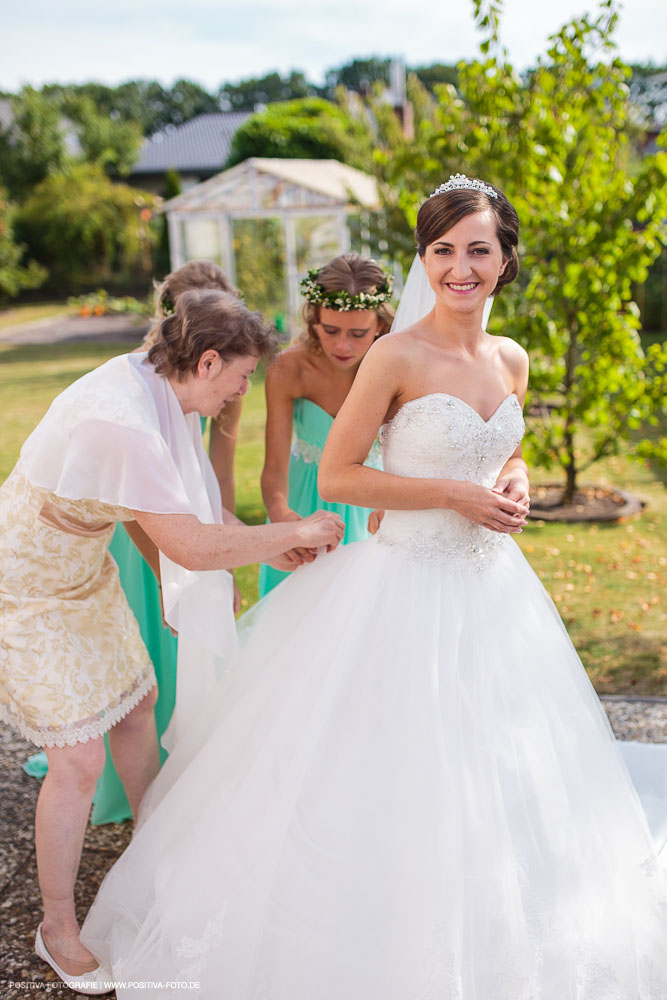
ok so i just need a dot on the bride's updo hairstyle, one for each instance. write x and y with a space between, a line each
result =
208 320
441 212
348 273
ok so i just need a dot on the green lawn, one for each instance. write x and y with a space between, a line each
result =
607 580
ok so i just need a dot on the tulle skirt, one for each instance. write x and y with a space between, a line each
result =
406 789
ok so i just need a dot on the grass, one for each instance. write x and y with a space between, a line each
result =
606 579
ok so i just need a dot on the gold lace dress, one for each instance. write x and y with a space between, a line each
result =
72 661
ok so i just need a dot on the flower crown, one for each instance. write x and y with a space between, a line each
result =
343 301
457 181
166 306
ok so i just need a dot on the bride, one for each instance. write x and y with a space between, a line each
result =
406 787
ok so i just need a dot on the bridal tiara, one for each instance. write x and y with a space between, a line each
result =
457 181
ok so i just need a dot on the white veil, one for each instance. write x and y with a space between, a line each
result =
418 299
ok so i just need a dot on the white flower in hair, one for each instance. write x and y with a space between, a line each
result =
457 181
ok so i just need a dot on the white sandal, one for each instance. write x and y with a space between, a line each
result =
98 982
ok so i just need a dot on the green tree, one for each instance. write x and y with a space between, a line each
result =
648 92
592 223
188 99
84 228
172 187
269 89
435 74
360 75
145 102
54 128
14 276
33 146
109 142
308 128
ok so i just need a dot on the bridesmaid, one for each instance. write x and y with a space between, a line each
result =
347 308
138 579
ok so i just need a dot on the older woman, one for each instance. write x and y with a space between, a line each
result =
121 444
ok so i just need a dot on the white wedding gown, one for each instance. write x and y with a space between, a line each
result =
405 789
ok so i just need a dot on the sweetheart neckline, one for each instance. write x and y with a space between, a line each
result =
304 399
448 395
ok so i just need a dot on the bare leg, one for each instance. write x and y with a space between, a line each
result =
134 749
60 824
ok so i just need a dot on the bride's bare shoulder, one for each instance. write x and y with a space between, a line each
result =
396 347
515 361
513 355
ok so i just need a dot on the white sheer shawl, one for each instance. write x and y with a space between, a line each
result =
119 435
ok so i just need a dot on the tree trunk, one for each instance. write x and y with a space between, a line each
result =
568 433
571 467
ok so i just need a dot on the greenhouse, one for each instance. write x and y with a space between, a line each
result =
266 221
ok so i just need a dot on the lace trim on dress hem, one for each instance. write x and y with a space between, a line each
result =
90 729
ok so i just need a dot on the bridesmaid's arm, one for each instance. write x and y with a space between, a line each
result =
281 390
146 546
222 448
279 421
377 390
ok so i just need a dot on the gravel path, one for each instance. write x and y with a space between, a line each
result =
19 894
54 329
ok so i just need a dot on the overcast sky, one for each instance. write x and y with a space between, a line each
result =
212 41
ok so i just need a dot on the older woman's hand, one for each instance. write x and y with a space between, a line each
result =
323 529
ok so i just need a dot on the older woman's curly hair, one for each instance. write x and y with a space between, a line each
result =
354 274
195 274
207 320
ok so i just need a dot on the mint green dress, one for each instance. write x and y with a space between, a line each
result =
143 595
311 429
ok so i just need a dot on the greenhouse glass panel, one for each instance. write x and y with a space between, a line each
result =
260 255
317 240
201 238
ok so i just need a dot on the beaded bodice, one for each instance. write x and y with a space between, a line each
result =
439 436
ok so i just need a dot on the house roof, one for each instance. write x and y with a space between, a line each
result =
261 183
202 143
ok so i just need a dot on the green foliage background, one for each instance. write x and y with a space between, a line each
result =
308 128
593 221
84 227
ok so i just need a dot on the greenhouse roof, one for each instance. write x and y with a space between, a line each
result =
262 185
